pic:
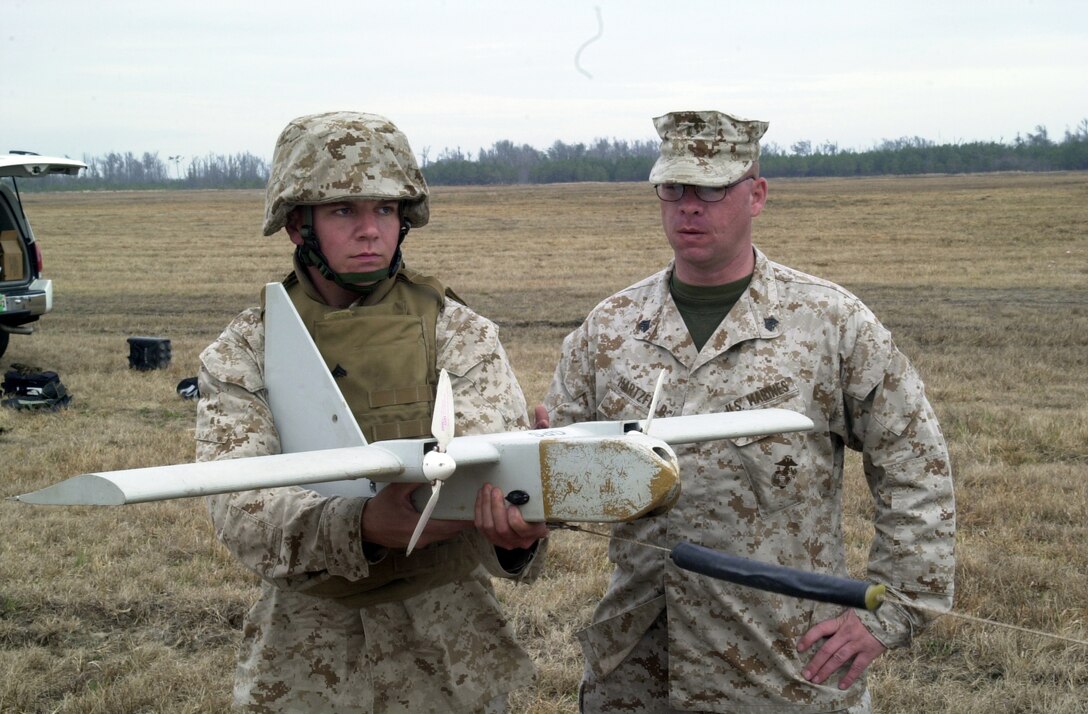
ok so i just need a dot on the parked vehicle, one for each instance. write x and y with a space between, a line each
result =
24 294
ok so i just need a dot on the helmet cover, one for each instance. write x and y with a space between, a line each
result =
340 156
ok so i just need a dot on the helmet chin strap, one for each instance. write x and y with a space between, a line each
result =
309 253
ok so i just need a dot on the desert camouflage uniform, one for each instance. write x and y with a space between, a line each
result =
795 342
447 649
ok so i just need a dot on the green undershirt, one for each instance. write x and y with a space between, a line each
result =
703 307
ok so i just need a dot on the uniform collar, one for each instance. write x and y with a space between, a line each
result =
757 315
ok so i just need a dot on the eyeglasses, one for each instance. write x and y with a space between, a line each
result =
672 192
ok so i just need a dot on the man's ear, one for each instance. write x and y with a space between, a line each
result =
294 221
758 196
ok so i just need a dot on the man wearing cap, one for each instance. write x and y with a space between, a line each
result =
346 621
733 330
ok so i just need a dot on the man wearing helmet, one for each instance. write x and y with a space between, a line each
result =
733 330
346 622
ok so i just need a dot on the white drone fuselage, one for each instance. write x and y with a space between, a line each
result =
605 471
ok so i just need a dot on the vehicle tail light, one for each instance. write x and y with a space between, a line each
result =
38 257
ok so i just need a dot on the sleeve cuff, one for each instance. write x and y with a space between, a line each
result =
342 531
895 625
514 561
523 564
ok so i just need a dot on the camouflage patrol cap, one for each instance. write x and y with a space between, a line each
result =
705 148
336 156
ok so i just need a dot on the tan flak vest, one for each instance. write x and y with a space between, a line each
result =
381 351
383 355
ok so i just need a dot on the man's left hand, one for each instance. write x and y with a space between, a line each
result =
502 523
847 640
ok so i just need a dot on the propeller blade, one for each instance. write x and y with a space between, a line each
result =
653 403
436 488
437 465
442 426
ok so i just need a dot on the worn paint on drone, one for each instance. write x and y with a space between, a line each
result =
575 491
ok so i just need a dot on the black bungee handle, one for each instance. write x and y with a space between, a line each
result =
778 578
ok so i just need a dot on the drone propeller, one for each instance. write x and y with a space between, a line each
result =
437 464
653 403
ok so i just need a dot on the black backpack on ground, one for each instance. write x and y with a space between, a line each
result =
26 388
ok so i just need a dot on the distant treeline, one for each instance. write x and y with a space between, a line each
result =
116 171
1034 152
613 160
607 160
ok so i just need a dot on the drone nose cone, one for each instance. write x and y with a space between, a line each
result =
438 466
664 485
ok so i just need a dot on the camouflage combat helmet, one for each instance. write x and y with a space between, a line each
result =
325 158
338 156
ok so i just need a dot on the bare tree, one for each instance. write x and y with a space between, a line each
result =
177 160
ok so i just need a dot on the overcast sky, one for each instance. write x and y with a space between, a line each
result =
195 77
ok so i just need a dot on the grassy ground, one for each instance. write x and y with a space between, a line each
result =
982 279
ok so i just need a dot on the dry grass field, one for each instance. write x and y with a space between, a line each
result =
983 280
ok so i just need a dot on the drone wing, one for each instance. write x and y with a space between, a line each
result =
157 483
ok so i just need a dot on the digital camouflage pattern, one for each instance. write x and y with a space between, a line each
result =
795 342
705 148
336 156
447 649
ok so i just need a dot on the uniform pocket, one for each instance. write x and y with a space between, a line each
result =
778 466
607 643
618 406
252 539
